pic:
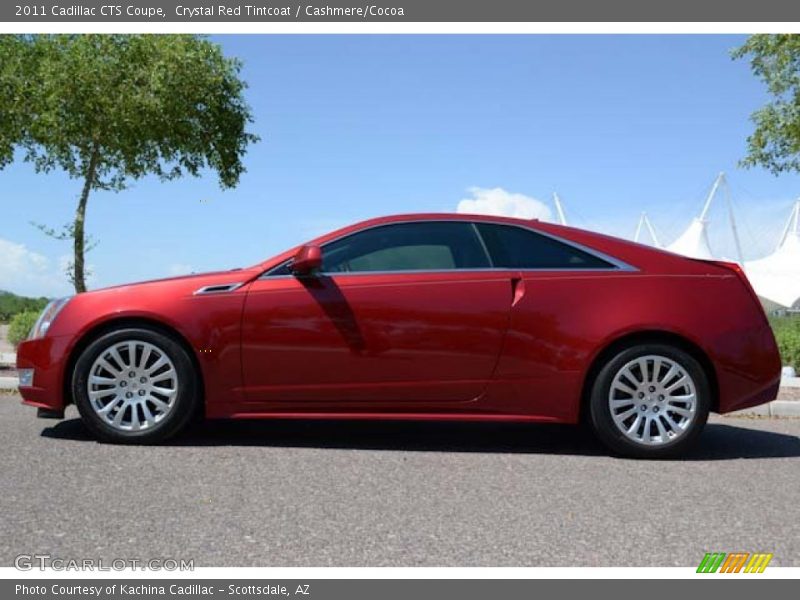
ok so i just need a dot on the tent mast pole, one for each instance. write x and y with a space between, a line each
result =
560 209
651 229
732 219
711 194
638 233
788 227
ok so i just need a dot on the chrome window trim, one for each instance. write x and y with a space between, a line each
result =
616 264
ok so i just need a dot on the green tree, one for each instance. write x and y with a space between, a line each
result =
110 109
775 143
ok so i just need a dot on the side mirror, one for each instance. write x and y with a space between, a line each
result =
306 260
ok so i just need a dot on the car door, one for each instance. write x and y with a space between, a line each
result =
400 314
554 321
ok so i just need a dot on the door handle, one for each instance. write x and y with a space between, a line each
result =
517 290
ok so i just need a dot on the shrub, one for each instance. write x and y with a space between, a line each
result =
21 326
787 334
11 305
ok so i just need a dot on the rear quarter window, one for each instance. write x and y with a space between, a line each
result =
518 248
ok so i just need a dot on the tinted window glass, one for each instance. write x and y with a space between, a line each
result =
407 247
517 248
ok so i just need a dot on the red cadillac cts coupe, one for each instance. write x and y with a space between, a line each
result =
426 316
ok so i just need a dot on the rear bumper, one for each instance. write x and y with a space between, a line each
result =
749 373
767 394
46 357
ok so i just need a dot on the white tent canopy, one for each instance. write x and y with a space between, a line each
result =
694 241
776 278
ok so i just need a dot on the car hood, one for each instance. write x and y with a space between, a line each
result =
238 275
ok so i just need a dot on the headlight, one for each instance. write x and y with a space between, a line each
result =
47 317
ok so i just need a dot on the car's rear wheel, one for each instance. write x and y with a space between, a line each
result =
650 401
134 385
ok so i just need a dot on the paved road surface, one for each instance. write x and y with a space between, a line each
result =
394 494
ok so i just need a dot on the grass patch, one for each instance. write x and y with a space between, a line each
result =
787 334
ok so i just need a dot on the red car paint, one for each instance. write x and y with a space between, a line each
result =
510 345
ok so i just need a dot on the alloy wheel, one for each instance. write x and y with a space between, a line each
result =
653 400
132 385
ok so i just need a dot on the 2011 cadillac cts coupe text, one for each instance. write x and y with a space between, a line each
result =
427 316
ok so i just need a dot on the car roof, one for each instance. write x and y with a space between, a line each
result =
620 249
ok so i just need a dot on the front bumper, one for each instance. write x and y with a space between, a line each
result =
46 356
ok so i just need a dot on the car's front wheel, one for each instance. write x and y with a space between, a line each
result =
650 401
134 385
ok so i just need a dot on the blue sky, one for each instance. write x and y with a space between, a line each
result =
358 126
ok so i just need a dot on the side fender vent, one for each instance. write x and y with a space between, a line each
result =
219 288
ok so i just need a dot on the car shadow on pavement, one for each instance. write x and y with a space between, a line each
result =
718 442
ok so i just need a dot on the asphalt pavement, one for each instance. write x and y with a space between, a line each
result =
292 493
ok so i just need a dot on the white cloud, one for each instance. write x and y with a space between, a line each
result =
497 201
29 273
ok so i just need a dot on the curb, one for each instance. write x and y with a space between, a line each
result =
777 408
790 382
8 383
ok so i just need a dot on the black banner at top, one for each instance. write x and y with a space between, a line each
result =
40 11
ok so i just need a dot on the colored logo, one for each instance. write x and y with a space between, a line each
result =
735 562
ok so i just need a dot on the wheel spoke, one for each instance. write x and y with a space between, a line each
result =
643 368
109 407
682 398
135 424
662 432
646 430
163 391
634 428
156 365
622 402
628 374
146 351
623 387
149 419
107 366
160 404
117 421
132 355
680 411
673 424
165 376
657 362
118 358
682 380
671 372
625 414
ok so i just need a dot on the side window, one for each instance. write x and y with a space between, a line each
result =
422 246
518 248
282 269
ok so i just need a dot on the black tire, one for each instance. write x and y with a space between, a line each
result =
613 437
185 402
